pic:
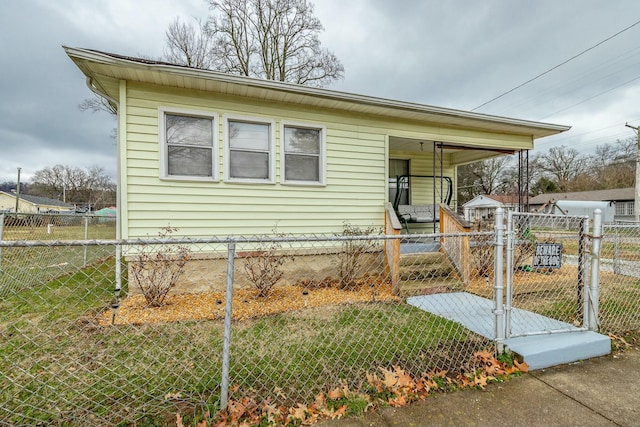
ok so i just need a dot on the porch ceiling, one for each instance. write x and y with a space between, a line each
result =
459 153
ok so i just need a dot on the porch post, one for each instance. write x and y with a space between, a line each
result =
498 303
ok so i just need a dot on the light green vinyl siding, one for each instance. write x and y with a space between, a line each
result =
356 180
354 190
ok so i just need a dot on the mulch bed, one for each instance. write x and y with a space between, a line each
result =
246 304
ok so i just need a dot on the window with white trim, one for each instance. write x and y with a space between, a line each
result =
621 208
189 147
630 208
302 154
249 150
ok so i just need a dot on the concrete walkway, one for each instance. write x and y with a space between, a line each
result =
603 391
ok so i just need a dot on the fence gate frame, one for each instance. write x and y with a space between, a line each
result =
588 272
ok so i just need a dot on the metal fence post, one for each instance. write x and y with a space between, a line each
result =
86 237
498 303
226 346
509 278
1 237
616 252
594 285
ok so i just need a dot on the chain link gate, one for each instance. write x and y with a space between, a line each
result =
546 280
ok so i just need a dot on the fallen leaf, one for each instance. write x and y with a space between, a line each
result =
403 378
334 394
338 413
299 411
522 367
398 401
179 420
390 378
481 381
321 402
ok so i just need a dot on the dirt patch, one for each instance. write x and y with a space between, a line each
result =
245 303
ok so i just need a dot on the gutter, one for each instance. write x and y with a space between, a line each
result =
94 89
118 284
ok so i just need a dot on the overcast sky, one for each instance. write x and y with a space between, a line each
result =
448 53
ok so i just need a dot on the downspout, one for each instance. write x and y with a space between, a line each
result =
118 285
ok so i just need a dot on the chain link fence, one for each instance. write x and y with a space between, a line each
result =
95 344
279 319
548 261
25 267
620 278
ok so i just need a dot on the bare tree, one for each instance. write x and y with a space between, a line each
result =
483 177
189 45
565 165
268 39
614 164
91 186
96 104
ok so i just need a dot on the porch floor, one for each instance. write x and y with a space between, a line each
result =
539 351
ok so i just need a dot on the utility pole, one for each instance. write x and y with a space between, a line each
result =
18 191
636 203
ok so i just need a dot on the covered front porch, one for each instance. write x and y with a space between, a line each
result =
422 176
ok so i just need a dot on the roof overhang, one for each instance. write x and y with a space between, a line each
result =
104 71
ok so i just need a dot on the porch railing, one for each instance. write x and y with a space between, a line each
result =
456 248
392 226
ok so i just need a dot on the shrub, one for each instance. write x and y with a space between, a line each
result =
263 266
523 248
156 270
482 256
353 254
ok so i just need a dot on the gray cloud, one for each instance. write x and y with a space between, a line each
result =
453 53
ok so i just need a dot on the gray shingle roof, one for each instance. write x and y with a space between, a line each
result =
38 200
611 195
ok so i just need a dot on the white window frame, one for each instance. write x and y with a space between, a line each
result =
164 152
271 150
630 208
322 161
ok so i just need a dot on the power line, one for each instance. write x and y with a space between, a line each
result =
590 98
557 66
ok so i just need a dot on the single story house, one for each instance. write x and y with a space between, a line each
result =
215 154
483 206
33 204
624 199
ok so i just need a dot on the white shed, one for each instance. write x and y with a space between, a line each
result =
586 208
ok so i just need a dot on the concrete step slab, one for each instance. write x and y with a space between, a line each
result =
543 351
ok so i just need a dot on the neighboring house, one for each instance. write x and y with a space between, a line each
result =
32 204
483 207
215 154
622 197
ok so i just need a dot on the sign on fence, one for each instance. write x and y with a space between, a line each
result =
548 255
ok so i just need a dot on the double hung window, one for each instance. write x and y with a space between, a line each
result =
249 150
189 148
302 156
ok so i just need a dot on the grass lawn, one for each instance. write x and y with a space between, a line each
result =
58 365
25 267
